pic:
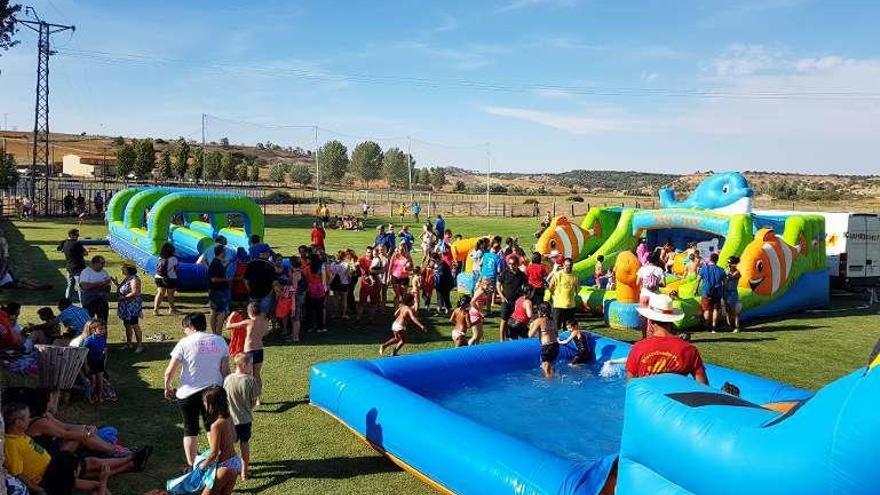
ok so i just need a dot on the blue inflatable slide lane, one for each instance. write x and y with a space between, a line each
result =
671 444
683 438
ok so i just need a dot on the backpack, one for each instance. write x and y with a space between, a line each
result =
162 268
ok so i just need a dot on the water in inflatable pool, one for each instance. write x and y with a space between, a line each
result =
577 415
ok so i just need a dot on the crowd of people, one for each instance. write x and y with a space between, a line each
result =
254 291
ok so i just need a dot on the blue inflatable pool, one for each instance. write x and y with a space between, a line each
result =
480 420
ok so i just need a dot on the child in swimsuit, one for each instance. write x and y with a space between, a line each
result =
221 439
585 353
461 321
481 299
544 327
416 286
257 327
402 315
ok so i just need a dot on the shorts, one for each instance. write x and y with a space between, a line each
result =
96 366
549 352
191 408
256 356
476 315
265 302
582 358
709 303
537 296
218 301
562 315
516 329
284 307
166 283
131 321
243 432
458 335
400 281
60 473
369 293
506 309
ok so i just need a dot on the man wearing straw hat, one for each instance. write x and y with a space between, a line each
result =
662 351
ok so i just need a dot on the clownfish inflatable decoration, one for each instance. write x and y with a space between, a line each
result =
767 261
565 237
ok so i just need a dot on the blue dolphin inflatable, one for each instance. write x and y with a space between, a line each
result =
727 193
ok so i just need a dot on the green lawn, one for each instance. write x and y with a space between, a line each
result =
298 449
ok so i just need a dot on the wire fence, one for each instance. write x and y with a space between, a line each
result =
71 197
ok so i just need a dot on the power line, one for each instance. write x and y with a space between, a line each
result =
487 86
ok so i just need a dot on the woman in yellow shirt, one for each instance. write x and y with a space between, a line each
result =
563 289
60 471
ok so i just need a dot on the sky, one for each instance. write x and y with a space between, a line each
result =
514 85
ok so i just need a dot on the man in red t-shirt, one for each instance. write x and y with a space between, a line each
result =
661 351
318 235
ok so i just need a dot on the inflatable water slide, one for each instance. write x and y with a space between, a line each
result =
782 256
141 220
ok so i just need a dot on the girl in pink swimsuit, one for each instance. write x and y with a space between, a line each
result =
481 298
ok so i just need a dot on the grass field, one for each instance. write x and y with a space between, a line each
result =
298 449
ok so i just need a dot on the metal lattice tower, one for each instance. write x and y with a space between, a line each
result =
40 153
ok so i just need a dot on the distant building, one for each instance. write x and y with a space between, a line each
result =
88 166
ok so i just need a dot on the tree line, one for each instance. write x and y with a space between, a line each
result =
366 163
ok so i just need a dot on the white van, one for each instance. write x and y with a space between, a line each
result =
852 248
852 244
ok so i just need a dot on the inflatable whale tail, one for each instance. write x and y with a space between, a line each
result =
667 197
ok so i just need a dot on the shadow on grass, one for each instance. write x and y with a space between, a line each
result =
732 339
29 261
268 474
281 407
792 327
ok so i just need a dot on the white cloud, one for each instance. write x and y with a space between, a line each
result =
742 60
826 101
648 77
447 23
819 64
553 93
522 4
568 123
465 57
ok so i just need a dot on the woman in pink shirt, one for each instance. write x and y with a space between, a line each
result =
398 271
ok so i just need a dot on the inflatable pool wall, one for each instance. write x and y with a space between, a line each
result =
681 437
384 402
139 221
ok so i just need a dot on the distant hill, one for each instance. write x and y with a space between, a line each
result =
865 189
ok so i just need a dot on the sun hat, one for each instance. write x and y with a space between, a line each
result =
660 309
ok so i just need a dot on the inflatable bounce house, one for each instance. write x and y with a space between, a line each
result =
141 220
782 257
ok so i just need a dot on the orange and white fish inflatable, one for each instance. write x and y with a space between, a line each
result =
565 237
766 262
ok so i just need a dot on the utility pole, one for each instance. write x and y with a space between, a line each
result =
409 165
488 171
317 169
40 152
202 150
